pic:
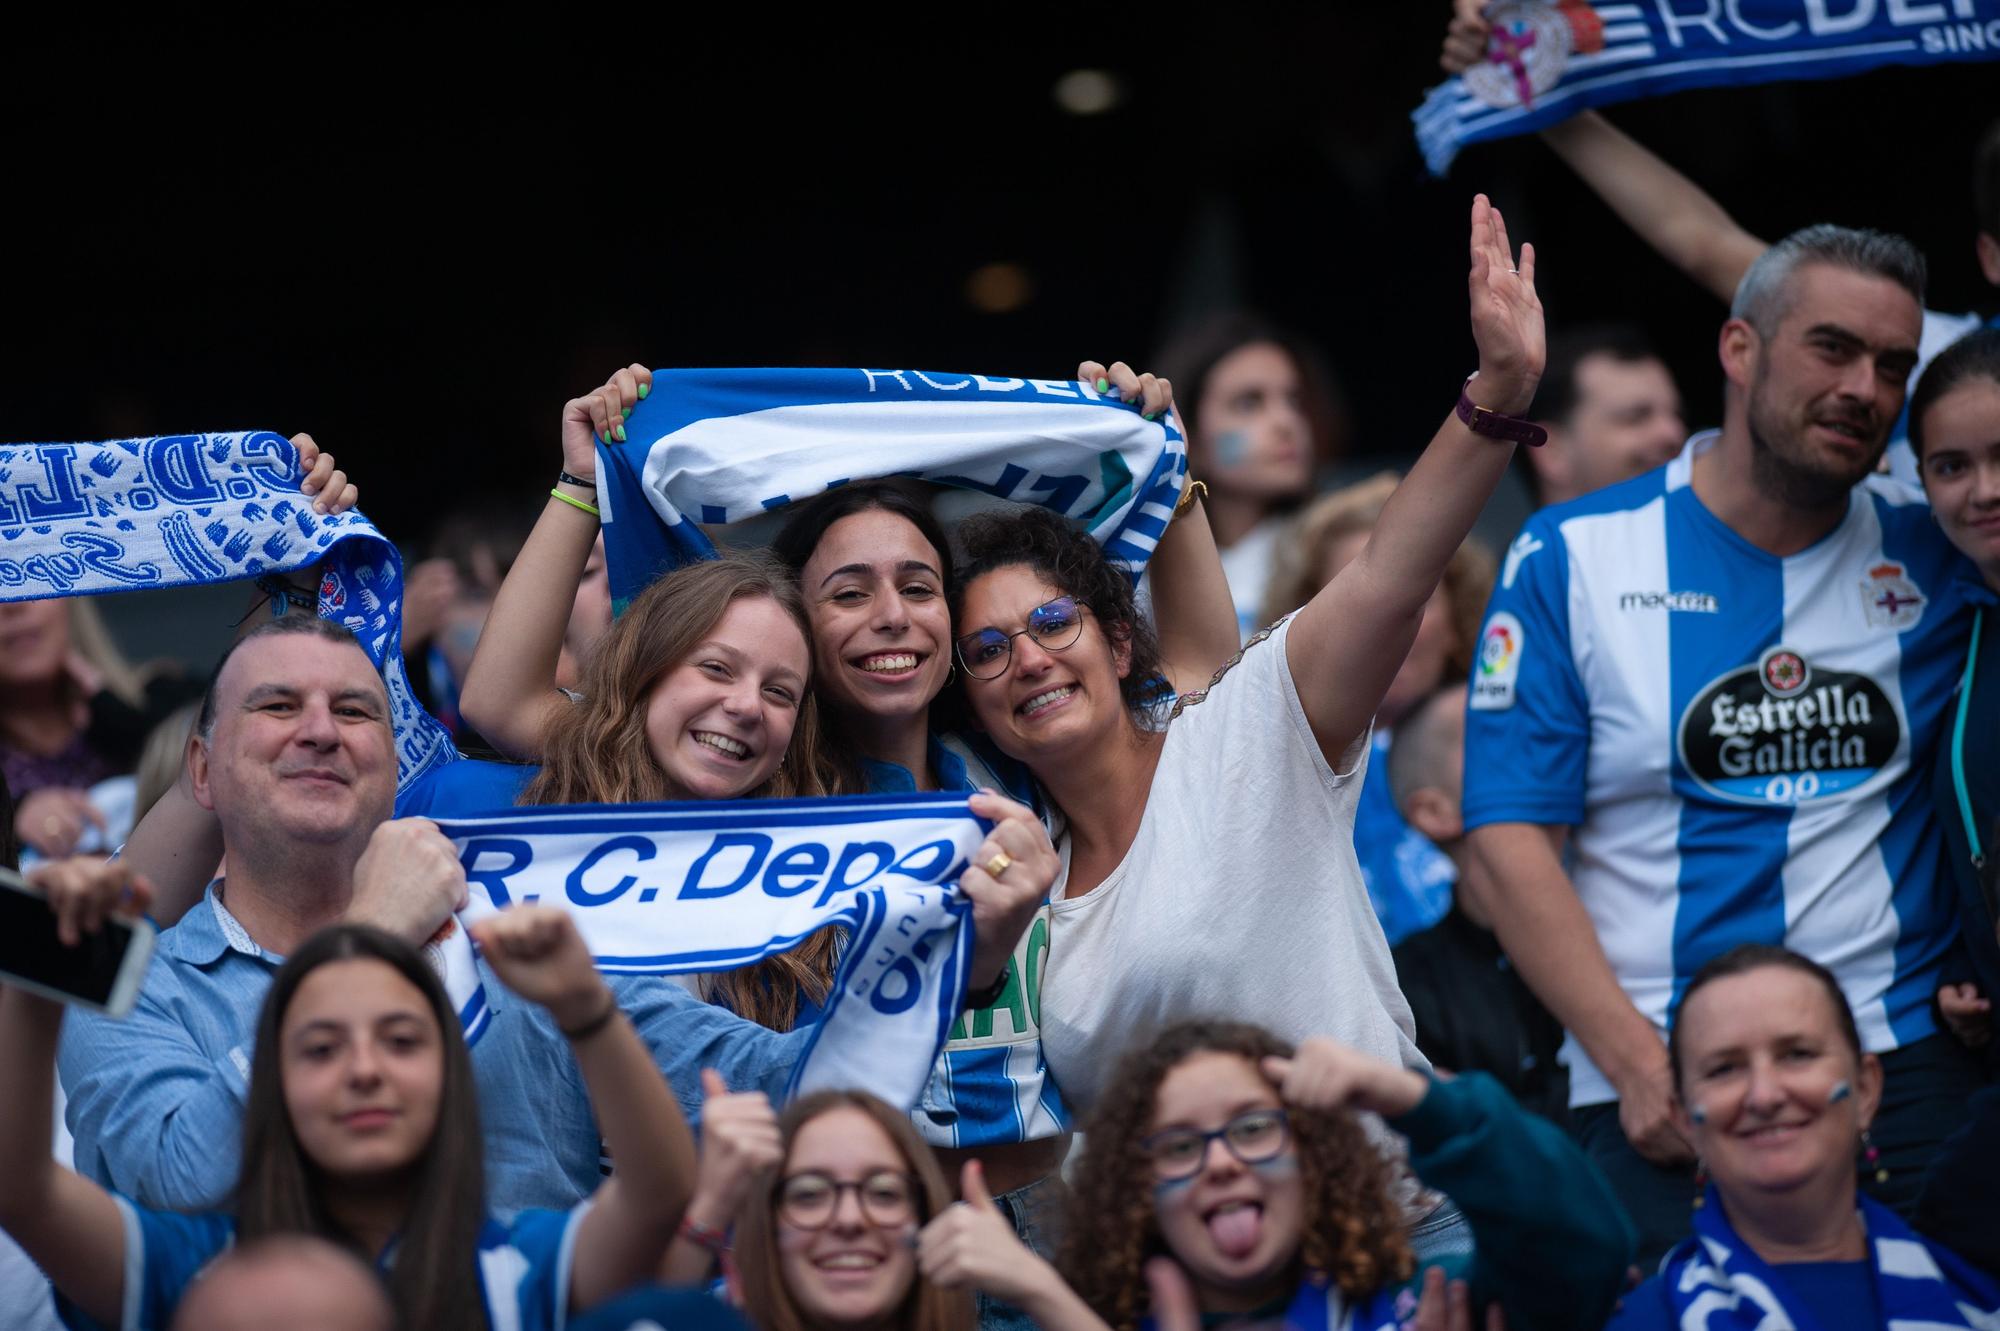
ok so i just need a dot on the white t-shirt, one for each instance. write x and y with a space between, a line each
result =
1240 899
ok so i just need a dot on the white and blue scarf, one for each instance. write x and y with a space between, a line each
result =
1716 1283
1547 60
661 889
193 509
716 447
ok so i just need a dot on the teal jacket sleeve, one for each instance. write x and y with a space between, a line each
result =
1552 1242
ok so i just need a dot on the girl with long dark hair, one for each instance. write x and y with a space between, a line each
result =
360 1126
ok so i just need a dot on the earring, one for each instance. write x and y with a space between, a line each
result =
1700 1183
1874 1158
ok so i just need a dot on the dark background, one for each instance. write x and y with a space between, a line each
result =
415 237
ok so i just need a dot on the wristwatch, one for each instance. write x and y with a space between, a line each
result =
1495 424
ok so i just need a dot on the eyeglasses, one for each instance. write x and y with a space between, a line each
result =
808 1200
1054 625
1252 1137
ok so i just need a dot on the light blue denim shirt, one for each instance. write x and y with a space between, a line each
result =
156 1099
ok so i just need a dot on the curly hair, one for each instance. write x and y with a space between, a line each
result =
1353 1230
768 1303
1299 570
600 754
1067 559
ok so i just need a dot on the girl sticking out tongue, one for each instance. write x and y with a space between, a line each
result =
1248 1167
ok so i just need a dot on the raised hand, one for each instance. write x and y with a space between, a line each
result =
600 415
972 1245
1506 315
1447 1306
537 952
1004 902
1465 38
739 1144
324 480
408 881
1326 1075
83 893
1152 393
1173 1302
51 820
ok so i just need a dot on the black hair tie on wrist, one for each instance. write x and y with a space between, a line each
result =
595 1024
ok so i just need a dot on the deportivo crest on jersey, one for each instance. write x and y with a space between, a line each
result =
1890 599
1783 732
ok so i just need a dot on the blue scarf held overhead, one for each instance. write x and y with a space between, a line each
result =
1716 1283
716 447
663 889
1549 59
195 509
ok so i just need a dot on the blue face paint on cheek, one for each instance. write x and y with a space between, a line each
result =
1231 447
1697 1114
1841 1090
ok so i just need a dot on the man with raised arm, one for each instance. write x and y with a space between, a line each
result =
1695 233
1711 682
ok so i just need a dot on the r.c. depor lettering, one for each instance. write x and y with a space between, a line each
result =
727 865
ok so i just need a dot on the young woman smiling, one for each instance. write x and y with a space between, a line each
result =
361 1126
829 1245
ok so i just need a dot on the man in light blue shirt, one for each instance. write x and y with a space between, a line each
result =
293 754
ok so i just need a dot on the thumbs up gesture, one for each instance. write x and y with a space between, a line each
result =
972 1245
739 1142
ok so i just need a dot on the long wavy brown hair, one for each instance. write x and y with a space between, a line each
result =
599 754
767 1302
1353 1230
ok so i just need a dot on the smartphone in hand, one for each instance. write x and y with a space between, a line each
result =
102 973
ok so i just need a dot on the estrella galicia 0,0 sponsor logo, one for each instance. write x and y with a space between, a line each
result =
1786 732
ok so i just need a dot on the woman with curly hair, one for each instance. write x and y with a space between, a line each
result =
1241 1161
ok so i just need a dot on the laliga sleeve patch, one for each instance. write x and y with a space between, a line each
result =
1499 663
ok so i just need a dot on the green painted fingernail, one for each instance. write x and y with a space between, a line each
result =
643 390
1151 414
620 433
1103 384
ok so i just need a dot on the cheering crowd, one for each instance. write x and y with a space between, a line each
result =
1359 930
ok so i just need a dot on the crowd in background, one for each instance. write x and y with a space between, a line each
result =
1375 928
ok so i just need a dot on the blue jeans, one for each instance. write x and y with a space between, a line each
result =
1036 1212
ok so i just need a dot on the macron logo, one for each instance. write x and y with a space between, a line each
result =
1698 603
1524 545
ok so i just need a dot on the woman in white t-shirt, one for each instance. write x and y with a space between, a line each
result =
1208 862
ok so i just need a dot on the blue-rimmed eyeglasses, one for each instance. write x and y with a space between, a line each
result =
1054 625
807 1200
1253 1137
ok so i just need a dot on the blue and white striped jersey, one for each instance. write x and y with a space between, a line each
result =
991 1084
1738 740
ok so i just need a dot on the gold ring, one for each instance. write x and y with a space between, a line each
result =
998 864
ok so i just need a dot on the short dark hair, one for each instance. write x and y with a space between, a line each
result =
295 622
1557 396
1067 559
1764 296
1974 356
1746 957
1986 182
